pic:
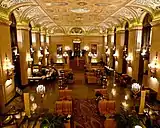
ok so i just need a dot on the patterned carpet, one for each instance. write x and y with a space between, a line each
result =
85 114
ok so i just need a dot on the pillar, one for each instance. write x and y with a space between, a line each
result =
142 102
43 46
153 83
119 49
35 44
7 92
48 40
110 39
27 104
24 51
133 51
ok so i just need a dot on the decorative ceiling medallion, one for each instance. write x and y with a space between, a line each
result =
80 10
82 3
101 4
59 3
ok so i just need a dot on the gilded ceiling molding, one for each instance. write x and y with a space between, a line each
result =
155 22
133 12
24 13
145 8
12 8
4 21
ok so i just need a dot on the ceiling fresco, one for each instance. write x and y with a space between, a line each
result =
88 15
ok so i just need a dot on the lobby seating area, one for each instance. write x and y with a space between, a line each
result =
79 64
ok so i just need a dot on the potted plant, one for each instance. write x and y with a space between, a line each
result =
52 121
124 119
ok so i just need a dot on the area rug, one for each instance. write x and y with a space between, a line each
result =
85 114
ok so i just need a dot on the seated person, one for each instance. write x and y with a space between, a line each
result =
99 95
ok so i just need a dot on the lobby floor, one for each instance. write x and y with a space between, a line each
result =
81 92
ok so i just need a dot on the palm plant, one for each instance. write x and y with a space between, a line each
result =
124 119
52 121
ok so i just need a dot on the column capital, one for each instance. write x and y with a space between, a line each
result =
5 21
136 26
155 22
36 30
120 30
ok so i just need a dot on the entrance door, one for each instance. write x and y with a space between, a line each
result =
76 49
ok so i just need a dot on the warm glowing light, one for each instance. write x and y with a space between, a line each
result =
8 82
7 64
59 56
46 52
125 104
137 126
65 54
28 58
47 39
40 55
67 48
33 37
126 97
113 91
139 39
41 89
19 36
136 88
90 54
86 48
42 38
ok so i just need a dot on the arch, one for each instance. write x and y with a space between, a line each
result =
76 30
145 8
15 50
12 8
24 13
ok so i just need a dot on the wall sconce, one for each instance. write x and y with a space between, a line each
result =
8 66
40 55
144 53
94 55
59 56
108 52
29 59
67 48
40 48
153 66
65 54
32 50
90 54
115 56
129 60
46 52
86 48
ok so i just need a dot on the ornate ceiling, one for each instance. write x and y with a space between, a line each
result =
86 16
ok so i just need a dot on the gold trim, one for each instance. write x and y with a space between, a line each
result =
5 22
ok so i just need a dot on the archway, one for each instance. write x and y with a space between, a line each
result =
15 51
125 49
145 46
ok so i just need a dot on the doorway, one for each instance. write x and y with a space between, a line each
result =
76 49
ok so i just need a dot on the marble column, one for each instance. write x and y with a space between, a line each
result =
142 102
110 39
7 91
154 82
119 49
36 44
24 51
133 51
